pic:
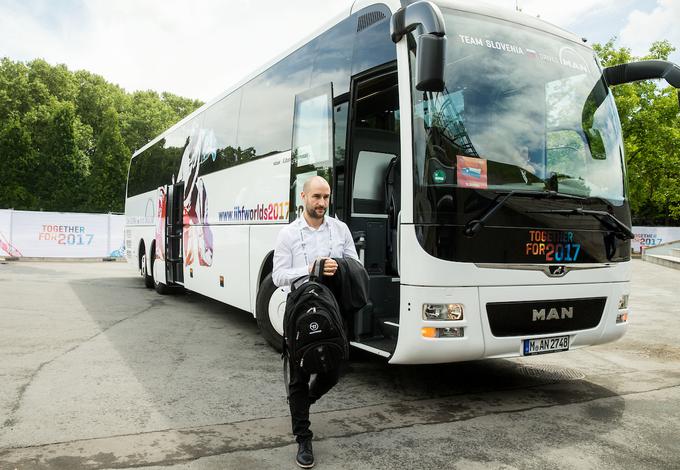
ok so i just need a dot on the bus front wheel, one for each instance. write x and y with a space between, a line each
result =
269 310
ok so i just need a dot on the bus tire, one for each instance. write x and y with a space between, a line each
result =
160 287
269 309
148 278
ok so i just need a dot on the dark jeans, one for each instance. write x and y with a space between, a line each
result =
303 394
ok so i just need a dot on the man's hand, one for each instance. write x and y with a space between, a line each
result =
329 266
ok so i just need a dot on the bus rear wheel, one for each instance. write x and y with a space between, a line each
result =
160 287
148 278
269 310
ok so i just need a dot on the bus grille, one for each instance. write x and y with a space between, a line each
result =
544 317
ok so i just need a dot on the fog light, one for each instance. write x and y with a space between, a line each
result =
623 302
442 311
429 332
622 316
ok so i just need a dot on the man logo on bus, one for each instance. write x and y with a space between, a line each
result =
553 314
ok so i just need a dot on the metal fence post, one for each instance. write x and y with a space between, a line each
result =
108 235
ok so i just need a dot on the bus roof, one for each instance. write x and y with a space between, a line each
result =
462 5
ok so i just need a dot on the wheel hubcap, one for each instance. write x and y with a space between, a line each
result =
144 265
277 308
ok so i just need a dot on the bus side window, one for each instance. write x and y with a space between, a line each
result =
369 182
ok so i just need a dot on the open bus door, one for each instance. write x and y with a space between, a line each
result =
372 181
168 267
174 259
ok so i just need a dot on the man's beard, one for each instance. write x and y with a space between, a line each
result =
312 213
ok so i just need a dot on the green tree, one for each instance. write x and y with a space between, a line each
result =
651 128
62 164
66 138
17 160
106 182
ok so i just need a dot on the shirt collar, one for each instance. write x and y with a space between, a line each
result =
304 224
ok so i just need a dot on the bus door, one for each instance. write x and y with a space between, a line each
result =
372 182
174 259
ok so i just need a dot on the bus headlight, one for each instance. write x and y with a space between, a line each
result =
442 311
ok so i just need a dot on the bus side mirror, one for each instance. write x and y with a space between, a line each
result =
431 48
431 59
643 70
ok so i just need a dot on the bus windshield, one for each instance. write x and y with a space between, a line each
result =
521 110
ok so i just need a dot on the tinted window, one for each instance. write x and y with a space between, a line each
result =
334 56
158 164
219 124
340 112
373 45
312 152
267 109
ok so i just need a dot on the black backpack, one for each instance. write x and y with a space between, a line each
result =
314 336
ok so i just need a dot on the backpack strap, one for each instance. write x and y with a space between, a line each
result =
317 270
296 283
285 377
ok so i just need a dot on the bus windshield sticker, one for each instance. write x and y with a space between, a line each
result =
552 246
567 56
439 176
471 172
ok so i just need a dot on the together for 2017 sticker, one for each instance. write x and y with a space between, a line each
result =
554 246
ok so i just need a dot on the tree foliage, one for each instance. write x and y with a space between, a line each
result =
650 118
66 137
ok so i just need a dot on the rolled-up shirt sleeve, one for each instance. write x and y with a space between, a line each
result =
283 271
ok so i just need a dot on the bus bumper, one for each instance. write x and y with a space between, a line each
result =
480 339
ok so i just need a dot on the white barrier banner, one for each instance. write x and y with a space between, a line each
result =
117 234
6 248
651 236
65 235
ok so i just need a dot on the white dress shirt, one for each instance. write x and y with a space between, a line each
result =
298 245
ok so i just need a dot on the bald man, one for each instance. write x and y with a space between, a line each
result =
308 238
311 237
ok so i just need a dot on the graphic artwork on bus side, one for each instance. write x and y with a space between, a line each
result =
159 235
201 147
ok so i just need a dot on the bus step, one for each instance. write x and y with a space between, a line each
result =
380 346
389 327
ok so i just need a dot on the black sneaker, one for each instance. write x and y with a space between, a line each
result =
305 455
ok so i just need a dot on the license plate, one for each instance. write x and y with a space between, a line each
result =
545 345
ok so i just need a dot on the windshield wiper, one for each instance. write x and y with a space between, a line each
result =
619 227
473 226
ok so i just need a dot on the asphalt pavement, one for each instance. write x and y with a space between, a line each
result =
98 372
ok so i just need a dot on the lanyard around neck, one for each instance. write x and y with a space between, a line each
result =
304 245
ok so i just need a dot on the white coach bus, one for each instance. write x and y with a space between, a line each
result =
475 154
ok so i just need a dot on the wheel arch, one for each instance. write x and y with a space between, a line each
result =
141 251
266 268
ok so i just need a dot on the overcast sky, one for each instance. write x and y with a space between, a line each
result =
199 48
